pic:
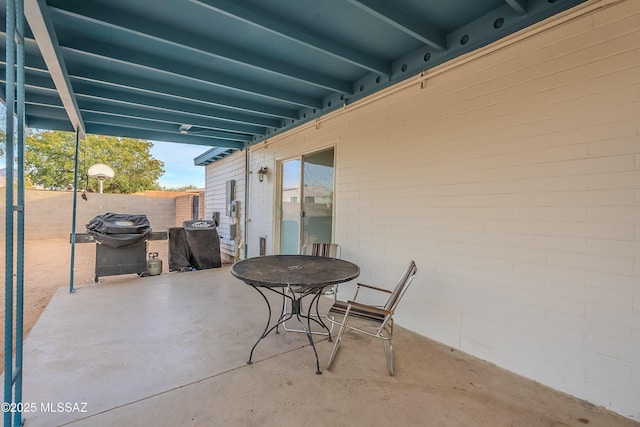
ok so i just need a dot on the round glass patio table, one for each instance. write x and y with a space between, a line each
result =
304 275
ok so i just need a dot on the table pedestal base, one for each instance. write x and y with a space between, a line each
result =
296 303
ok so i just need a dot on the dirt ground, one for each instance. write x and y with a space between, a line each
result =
47 268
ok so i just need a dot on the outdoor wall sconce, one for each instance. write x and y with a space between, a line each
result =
262 173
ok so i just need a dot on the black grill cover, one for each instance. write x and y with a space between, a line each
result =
199 224
204 246
119 230
194 245
178 250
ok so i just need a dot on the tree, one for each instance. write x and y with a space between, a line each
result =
49 162
180 189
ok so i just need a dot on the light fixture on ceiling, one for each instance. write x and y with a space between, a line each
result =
184 128
262 173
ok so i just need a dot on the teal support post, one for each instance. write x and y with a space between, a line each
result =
9 223
246 202
20 108
14 210
73 216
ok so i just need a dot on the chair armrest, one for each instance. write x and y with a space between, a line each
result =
362 285
368 308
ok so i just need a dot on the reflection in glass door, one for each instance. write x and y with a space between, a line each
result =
306 193
290 207
317 202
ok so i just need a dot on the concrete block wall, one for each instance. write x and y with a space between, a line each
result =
513 179
48 214
184 207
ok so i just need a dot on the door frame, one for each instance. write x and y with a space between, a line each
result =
278 193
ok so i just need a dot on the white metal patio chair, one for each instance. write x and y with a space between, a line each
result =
332 250
378 319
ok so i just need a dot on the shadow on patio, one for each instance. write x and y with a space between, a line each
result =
171 350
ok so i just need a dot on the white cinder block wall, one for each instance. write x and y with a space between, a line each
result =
513 180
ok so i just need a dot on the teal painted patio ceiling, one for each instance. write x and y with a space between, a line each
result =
229 74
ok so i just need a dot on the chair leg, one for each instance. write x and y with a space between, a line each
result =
388 353
338 339
388 347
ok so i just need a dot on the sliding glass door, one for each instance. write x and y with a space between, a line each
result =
306 200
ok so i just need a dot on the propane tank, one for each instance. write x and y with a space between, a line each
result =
154 264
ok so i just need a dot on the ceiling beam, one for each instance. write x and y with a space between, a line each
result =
35 81
138 25
176 117
121 131
205 136
168 100
393 15
140 84
166 66
46 111
31 61
43 100
147 124
519 6
42 28
38 79
38 122
145 100
263 19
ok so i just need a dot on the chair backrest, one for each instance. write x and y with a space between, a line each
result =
402 286
331 250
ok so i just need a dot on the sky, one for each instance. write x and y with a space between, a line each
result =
178 164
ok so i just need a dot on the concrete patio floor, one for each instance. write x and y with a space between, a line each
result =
171 350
